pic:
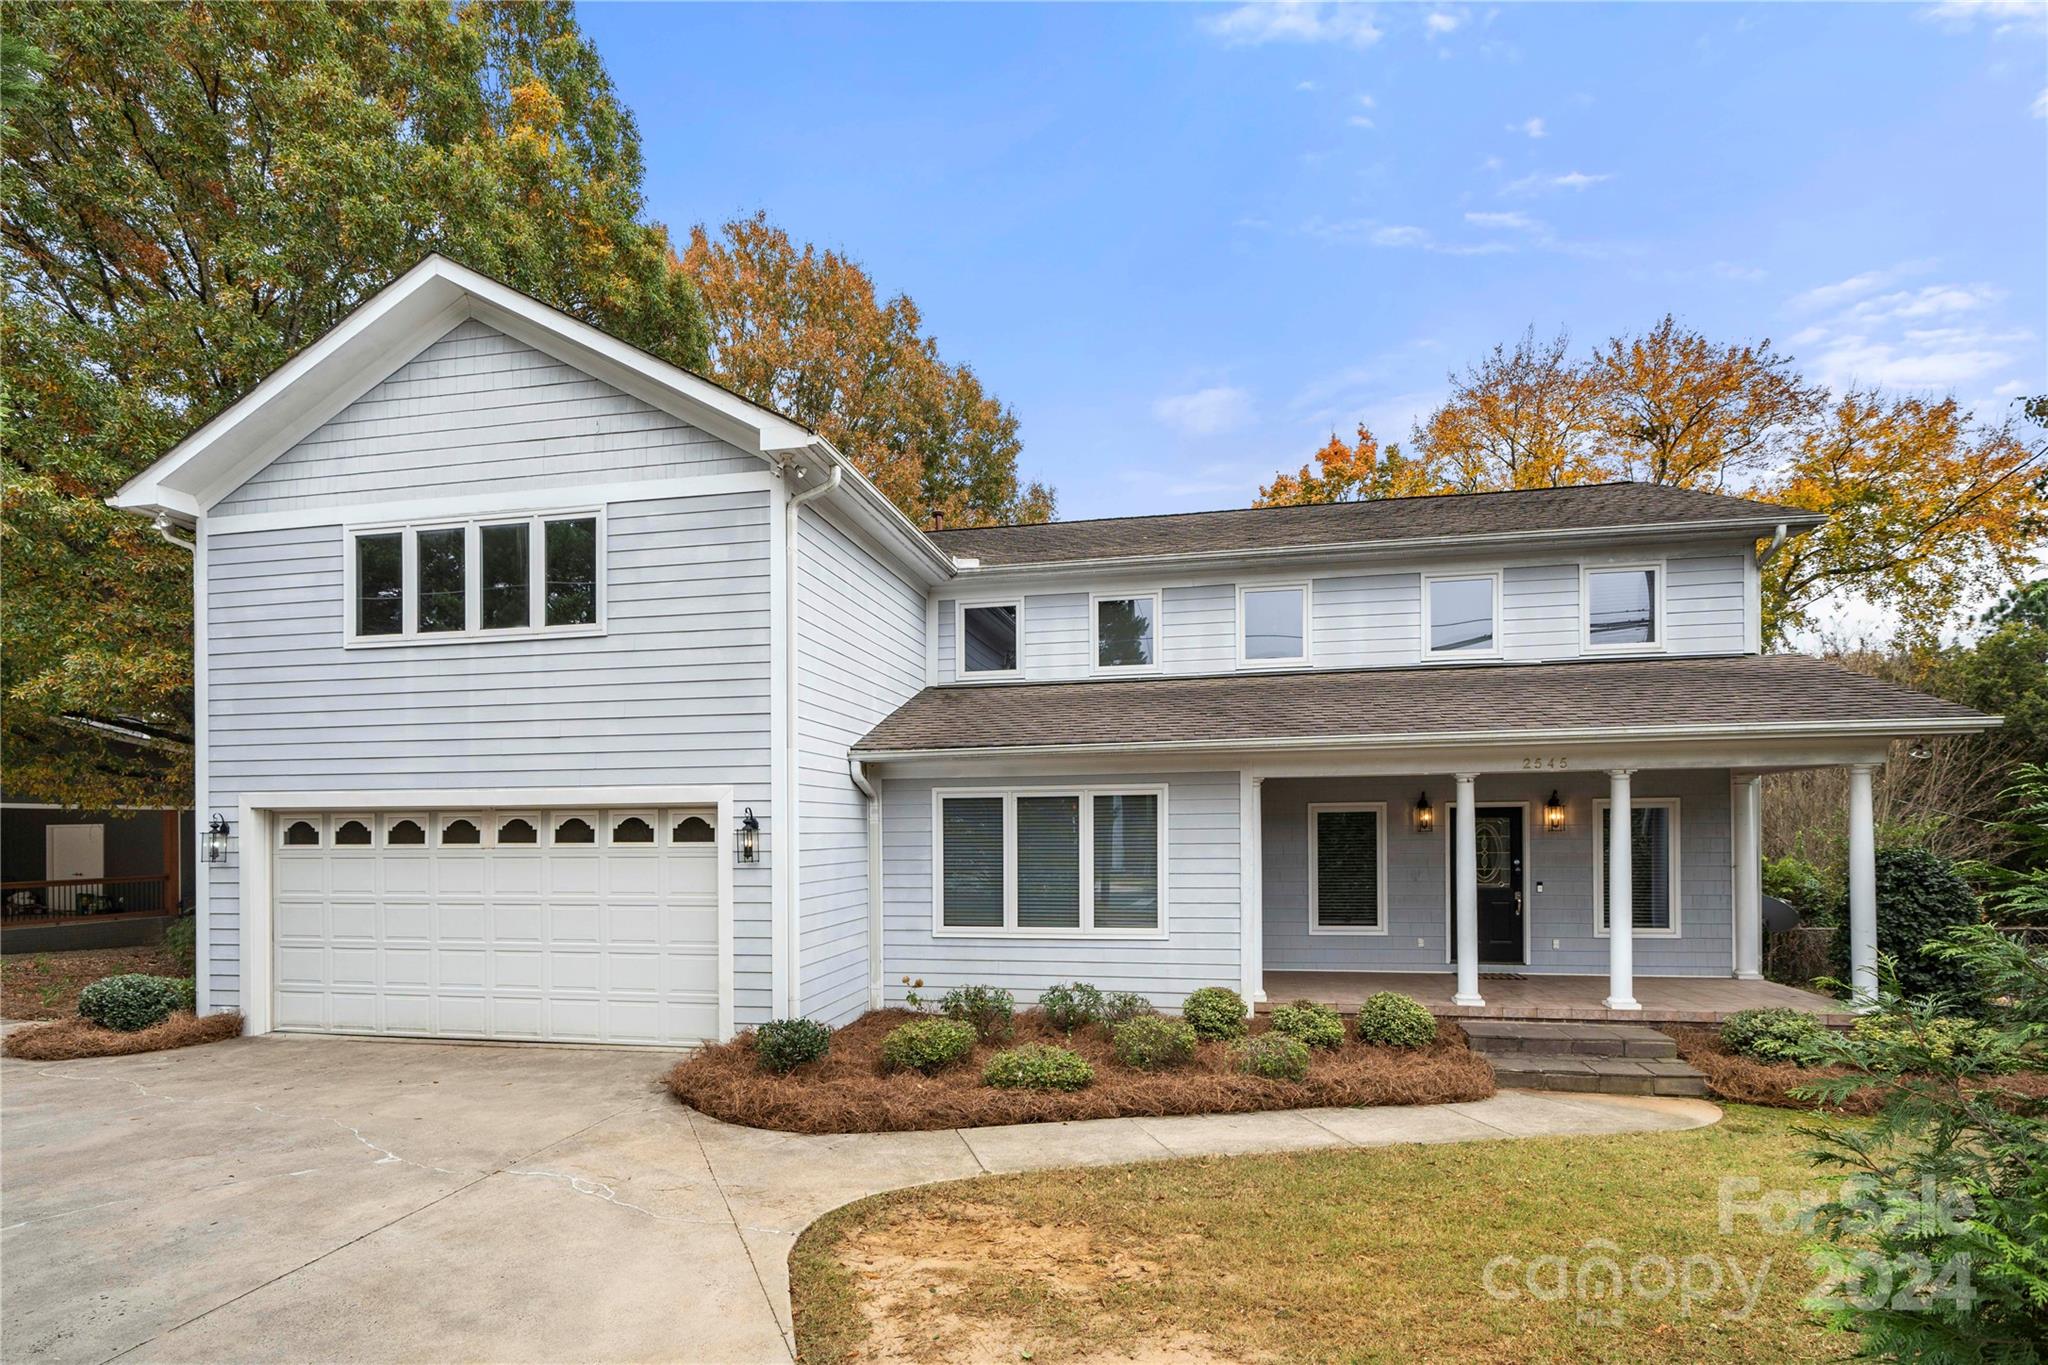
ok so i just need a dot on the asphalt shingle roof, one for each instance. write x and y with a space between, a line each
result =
1619 696
1388 520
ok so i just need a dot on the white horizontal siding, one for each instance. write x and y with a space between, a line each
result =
1540 611
1368 620
1705 604
1203 904
1198 629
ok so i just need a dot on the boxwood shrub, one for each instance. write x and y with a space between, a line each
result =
1315 1025
1395 1020
1036 1066
1920 897
991 1010
927 1045
1216 1012
782 1045
133 1001
1772 1035
1275 1056
1068 1007
1152 1042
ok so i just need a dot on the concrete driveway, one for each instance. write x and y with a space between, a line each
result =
356 1200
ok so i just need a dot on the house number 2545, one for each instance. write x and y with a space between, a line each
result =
1550 763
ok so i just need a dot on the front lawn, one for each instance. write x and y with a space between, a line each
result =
46 985
1332 1256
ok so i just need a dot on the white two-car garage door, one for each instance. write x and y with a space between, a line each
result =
597 926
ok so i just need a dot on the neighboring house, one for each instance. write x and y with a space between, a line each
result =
553 692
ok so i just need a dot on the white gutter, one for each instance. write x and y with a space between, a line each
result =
792 766
1873 729
858 773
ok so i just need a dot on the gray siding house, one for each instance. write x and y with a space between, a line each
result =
551 692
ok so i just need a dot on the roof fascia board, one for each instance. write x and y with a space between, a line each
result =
1392 549
882 519
1826 730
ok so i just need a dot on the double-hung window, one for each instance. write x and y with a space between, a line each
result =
1652 867
1126 632
1039 862
987 633
1461 616
482 577
1272 625
1624 607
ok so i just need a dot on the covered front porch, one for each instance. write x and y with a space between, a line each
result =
1555 996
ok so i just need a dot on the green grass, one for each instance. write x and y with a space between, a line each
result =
1329 1256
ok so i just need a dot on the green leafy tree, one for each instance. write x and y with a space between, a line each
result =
192 193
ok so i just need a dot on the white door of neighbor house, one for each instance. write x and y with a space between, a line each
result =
590 926
74 852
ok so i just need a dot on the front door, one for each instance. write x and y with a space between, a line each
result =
1500 840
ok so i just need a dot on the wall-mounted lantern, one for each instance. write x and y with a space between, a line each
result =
1425 814
217 838
1553 813
748 851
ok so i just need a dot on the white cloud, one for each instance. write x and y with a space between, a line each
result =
1305 86
1855 287
2040 109
1205 412
1732 270
1934 300
1932 337
1518 221
1361 121
1295 21
1368 102
1543 181
1368 232
2004 17
1529 127
1492 163
2011 388
1440 22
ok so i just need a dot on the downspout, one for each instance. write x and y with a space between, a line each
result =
163 528
857 772
793 870
1777 539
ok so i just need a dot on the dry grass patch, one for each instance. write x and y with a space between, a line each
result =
1327 1256
848 1092
69 1039
46 985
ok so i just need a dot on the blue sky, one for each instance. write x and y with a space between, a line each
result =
1185 243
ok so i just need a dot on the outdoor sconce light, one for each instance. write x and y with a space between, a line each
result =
1425 814
217 838
1919 751
749 850
1553 813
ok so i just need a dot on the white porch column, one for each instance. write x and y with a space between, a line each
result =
1747 814
1252 889
1621 918
1465 879
1862 885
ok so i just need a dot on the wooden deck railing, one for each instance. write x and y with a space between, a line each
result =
27 902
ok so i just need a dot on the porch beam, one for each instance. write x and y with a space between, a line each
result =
1621 917
1466 881
1862 886
1747 812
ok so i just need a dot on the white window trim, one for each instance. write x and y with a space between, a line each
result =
1085 798
1458 655
1095 664
391 818
610 828
1601 807
409 582
558 818
1659 644
1308 648
665 831
319 843
486 831
961 673
502 818
340 818
1315 924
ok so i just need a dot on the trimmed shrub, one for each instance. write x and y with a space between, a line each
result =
1948 1040
1920 897
782 1045
1152 1042
1119 1006
1215 1012
927 1045
1070 1007
133 1001
1035 1066
1274 1056
1394 1020
991 1010
1772 1035
1316 1025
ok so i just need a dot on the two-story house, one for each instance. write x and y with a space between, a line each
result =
548 691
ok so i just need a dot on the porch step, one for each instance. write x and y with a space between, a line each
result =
1612 1059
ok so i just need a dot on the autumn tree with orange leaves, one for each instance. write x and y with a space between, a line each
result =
804 331
1932 511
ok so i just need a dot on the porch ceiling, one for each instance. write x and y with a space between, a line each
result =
1778 695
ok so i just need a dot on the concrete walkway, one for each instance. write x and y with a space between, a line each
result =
299 1198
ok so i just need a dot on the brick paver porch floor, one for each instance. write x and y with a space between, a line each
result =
1664 999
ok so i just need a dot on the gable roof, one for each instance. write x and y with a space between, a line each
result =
1752 695
1606 509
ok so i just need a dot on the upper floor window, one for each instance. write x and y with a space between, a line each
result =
490 575
1273 625
1127 631
1622 607
988 640
1461 615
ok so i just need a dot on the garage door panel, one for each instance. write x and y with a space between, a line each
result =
575 942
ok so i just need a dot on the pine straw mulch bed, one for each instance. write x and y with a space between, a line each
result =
1731 1076
69 1039
847 1091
